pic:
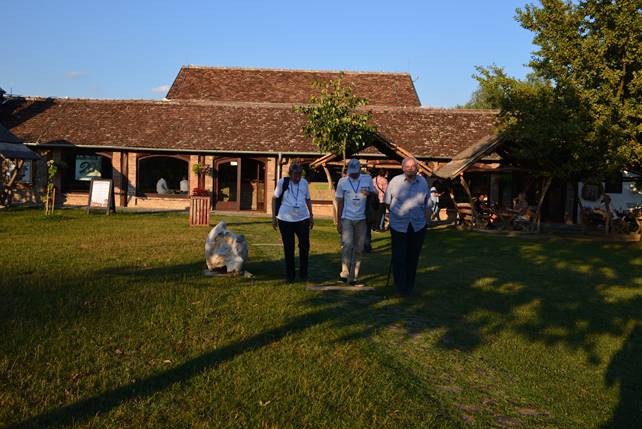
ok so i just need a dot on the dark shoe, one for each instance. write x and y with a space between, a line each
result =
343 280
355 283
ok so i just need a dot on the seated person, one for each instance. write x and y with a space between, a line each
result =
524 213
601 213
520 204
184 185
484 211
606 203
161 187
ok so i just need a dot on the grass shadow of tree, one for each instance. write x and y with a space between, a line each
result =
466 295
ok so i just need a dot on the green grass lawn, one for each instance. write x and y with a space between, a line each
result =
108 321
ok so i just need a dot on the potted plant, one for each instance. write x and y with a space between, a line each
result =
201 170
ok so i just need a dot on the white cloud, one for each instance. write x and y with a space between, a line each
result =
76 74
161 89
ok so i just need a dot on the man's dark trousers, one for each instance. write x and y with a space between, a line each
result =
406 247
302 231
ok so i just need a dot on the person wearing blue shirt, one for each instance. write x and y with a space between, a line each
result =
407 198
351 195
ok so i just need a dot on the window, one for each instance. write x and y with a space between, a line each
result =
78 168
152 168
613 185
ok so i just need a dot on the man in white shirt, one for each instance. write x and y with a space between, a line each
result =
184 185
351 195
161 186
407 198
292 214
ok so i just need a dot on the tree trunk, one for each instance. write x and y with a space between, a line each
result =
538 213
331 187
6 196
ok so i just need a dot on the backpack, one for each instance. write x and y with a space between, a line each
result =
286 184
372 210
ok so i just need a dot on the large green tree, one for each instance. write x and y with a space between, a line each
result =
544 125
333 120
580 112
594 48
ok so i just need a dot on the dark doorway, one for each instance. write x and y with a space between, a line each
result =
228 183
554 203
253 184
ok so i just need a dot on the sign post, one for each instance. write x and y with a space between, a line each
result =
101 195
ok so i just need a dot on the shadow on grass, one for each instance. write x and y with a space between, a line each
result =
469 286
104 402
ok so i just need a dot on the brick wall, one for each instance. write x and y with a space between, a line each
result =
193 177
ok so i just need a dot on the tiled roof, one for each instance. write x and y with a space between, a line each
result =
469 156
228 127
434 133
287 86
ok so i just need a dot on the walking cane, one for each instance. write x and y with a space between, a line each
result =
389 271
383 221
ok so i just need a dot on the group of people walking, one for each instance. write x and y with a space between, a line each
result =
406 196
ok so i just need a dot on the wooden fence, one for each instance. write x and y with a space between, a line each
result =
199 211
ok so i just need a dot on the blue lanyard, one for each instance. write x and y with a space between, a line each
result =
355 189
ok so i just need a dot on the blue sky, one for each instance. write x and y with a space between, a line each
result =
134 49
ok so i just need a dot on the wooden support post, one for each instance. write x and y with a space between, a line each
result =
470 197
452 198
50 202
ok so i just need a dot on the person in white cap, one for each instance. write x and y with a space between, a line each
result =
433 204
351 195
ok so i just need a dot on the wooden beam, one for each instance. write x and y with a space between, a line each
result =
319 162
391 150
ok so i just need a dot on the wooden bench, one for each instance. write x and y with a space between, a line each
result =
466 215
